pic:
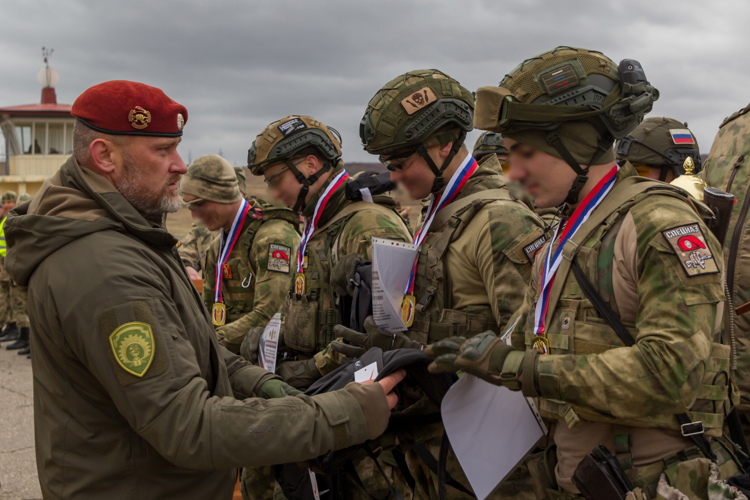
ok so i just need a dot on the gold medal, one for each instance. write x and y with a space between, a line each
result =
219 314
407 310
299 284
541 343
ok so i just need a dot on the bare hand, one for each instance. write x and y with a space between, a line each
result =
389 383
193 273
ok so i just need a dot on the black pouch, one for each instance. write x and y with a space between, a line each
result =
599 475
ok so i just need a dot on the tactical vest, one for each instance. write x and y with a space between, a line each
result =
309 319
434 317
237 284
574 326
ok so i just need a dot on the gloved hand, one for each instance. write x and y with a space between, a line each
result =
249 348
275 388
485 356
375 337
300 374
344 271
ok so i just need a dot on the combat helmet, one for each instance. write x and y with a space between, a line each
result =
489 143
414 111
290 138
662 143
566 85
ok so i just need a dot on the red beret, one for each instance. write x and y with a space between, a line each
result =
120 107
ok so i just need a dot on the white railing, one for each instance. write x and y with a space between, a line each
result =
35 165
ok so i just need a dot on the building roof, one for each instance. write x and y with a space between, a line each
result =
37 109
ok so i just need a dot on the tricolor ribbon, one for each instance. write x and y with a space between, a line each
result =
437 202
309 228
226 244
567 229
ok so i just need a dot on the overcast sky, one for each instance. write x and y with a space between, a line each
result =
238 66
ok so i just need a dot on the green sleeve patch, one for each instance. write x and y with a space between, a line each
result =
133 347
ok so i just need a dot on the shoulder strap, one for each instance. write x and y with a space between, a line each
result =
284 214
356 207
451 209
691 430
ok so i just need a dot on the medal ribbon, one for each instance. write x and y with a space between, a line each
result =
567 229
437 202
226 245
310 225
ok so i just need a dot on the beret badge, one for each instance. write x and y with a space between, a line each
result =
139 118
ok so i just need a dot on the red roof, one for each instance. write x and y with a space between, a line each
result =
38 109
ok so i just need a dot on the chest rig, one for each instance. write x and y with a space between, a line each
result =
434 317
239 273
309 319
575 327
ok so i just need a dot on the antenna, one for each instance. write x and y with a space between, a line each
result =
46 53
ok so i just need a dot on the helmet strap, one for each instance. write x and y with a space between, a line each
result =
437 185
306 182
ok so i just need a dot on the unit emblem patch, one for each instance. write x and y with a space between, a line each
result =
133 347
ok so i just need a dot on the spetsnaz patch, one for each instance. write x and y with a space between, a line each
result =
292 125
532 248
279 257
133 347
691 248
418 100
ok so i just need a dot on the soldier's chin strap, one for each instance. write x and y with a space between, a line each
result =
437 185
306 182
554 140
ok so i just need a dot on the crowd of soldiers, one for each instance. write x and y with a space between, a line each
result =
573 255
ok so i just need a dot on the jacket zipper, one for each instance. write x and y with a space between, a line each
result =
734 173
733 249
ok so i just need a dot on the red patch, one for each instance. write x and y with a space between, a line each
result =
226 272
689 243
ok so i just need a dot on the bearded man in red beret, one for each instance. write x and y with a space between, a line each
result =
133 395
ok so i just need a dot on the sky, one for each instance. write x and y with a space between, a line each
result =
239 65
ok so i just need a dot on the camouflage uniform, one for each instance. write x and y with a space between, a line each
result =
6 302
473 266
727 169
632 250
193 247
344 227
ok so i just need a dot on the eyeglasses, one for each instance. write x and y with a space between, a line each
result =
195 204
397 161
275 179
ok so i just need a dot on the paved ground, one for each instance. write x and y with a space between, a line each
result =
18 476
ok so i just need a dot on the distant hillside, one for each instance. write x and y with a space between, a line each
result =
355 168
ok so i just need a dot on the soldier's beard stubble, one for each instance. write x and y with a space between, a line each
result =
148 200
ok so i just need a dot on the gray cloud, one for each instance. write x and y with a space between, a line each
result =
237 66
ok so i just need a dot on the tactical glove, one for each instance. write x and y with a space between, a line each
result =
276 388
359 343
299 374
485 356
344 272
249 348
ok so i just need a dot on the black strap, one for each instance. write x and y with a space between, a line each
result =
687 426
426 457
738 436
400 459
374 458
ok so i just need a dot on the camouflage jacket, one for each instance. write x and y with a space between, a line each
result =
257 274
473 271
640 260
309 319
728 168
193 246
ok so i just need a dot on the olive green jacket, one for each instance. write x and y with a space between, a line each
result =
124 417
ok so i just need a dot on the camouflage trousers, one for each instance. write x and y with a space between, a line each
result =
259 484
518 486
18 307
6 315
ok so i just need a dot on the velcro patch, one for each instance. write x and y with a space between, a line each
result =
133 347
279 258
418 100
291 126
558 79
691 248
532 248
681 136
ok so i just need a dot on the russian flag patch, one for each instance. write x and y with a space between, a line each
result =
681 136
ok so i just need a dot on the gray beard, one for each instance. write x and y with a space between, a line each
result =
147 200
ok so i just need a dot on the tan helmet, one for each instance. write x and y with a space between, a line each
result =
291 137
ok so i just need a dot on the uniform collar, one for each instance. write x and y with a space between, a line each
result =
335 202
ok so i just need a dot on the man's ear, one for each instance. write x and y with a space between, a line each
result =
104 155
445 149
313 164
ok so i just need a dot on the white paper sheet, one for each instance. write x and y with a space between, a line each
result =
490 428
269 343
392 262
368 373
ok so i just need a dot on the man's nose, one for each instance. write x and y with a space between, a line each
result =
178 166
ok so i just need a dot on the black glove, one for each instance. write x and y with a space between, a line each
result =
299 374
249 347
359 343
344 271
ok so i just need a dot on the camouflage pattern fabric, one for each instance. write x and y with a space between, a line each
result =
257 275
259 484
193 247
6 315
212 178
728 168
18 306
